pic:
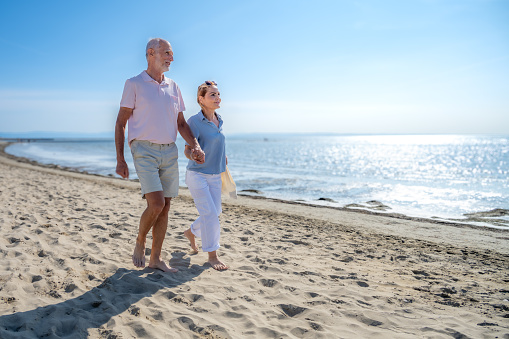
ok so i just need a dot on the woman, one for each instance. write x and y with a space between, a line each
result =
204 177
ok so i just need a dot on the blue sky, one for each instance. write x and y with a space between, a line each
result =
433 66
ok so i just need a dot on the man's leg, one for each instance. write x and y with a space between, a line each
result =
155 205
158 234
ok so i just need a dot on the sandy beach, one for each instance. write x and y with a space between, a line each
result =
297 271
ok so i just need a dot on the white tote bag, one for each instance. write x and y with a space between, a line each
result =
228 187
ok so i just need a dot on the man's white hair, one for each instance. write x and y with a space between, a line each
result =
154 43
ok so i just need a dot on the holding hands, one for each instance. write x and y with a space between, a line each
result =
195 153
198 155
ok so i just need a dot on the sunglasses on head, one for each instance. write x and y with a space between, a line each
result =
210 83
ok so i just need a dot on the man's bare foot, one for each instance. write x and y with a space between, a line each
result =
161 265
192 240
139 255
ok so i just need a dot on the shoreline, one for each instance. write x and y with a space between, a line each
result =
447 230
296 270
477 220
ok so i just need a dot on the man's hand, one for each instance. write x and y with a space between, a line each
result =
122 169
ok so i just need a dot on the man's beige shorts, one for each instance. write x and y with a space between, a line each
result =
156 166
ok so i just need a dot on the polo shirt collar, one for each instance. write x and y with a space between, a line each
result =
207 120
204 118
148 78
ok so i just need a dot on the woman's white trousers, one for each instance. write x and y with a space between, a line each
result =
206 192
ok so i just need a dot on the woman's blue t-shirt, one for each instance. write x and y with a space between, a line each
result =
212 142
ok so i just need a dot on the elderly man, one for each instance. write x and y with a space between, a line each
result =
153 106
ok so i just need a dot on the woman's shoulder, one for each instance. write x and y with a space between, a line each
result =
195 118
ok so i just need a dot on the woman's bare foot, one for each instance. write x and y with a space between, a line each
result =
192 240
139 254
216 263
161 265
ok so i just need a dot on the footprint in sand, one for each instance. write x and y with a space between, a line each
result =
292 310
268 282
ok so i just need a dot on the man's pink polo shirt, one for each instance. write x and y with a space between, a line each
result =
155 109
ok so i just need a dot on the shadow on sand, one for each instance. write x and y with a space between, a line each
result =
115 295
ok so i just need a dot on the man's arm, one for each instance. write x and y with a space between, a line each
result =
123 115
196 152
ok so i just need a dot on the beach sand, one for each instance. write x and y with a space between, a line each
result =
297 271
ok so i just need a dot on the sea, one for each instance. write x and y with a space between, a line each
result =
457 178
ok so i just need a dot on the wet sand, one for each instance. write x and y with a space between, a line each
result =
297 271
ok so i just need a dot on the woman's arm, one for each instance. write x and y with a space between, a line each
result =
188 152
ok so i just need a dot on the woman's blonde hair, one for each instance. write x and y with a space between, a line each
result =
203 88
